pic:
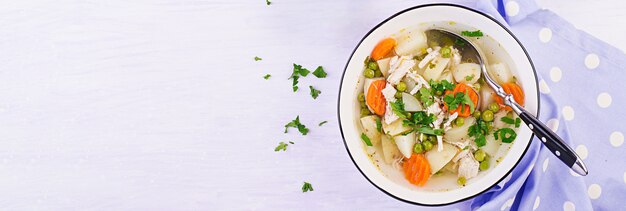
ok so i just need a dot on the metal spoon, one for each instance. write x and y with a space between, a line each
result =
552 141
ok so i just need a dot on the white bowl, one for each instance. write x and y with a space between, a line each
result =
395 186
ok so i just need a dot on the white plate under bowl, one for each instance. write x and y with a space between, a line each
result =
349 107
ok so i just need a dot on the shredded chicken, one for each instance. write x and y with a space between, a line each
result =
399 67
455 59
390 116
448 124
432 54
419 82
468 166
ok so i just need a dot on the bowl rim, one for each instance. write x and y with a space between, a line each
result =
385 21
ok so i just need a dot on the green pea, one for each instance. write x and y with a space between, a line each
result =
377 73
494 107
369 73
373 66
365 111
459 121
484 165
398 95
361 97
438 92
432 139
363 105
418 148
401 86
408 115
427 145
487 115
480 155
476 114
461 181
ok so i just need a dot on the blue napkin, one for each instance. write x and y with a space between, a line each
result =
580 84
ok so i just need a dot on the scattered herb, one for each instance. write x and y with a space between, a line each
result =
420 121
319 72
426 96
379 125
469 77
256 58
398 108
430 131
281 146
267 76
366 139
314 92
478 131
507 120
307 187
459 42
296 124
441 86
431 65
506 134
518 121
298 71
476 33
268 2
291 142
321 123
458 99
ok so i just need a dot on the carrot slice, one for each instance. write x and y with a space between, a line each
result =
515 90
383 48
463 111
416 169
375 99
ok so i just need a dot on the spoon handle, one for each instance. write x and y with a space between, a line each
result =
553 142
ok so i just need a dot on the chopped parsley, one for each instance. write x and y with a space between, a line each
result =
479 130
267 76
314 92
426 96
469 77
379 125
256 58
307 187
506 134
420 121
322 123
319 72
366 139
458 99
296 124
476 33
507 120
281 146
398 108
268 2
441 86
459 42
298 71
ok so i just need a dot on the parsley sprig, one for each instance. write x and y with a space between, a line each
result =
298 71
398 108
314 92
459 99
319 72
479 130
282 146
366 139
307 187
296 124
421 122
476 33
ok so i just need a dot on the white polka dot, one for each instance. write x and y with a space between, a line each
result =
529 126
569 206
557 153
581 150
511 8
553 124
568 112
594 191
536 205
604 100
592 61
507 204
543 87
545 34
616 138
573 173
545 165
555 74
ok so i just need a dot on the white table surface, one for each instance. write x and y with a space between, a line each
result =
159 105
